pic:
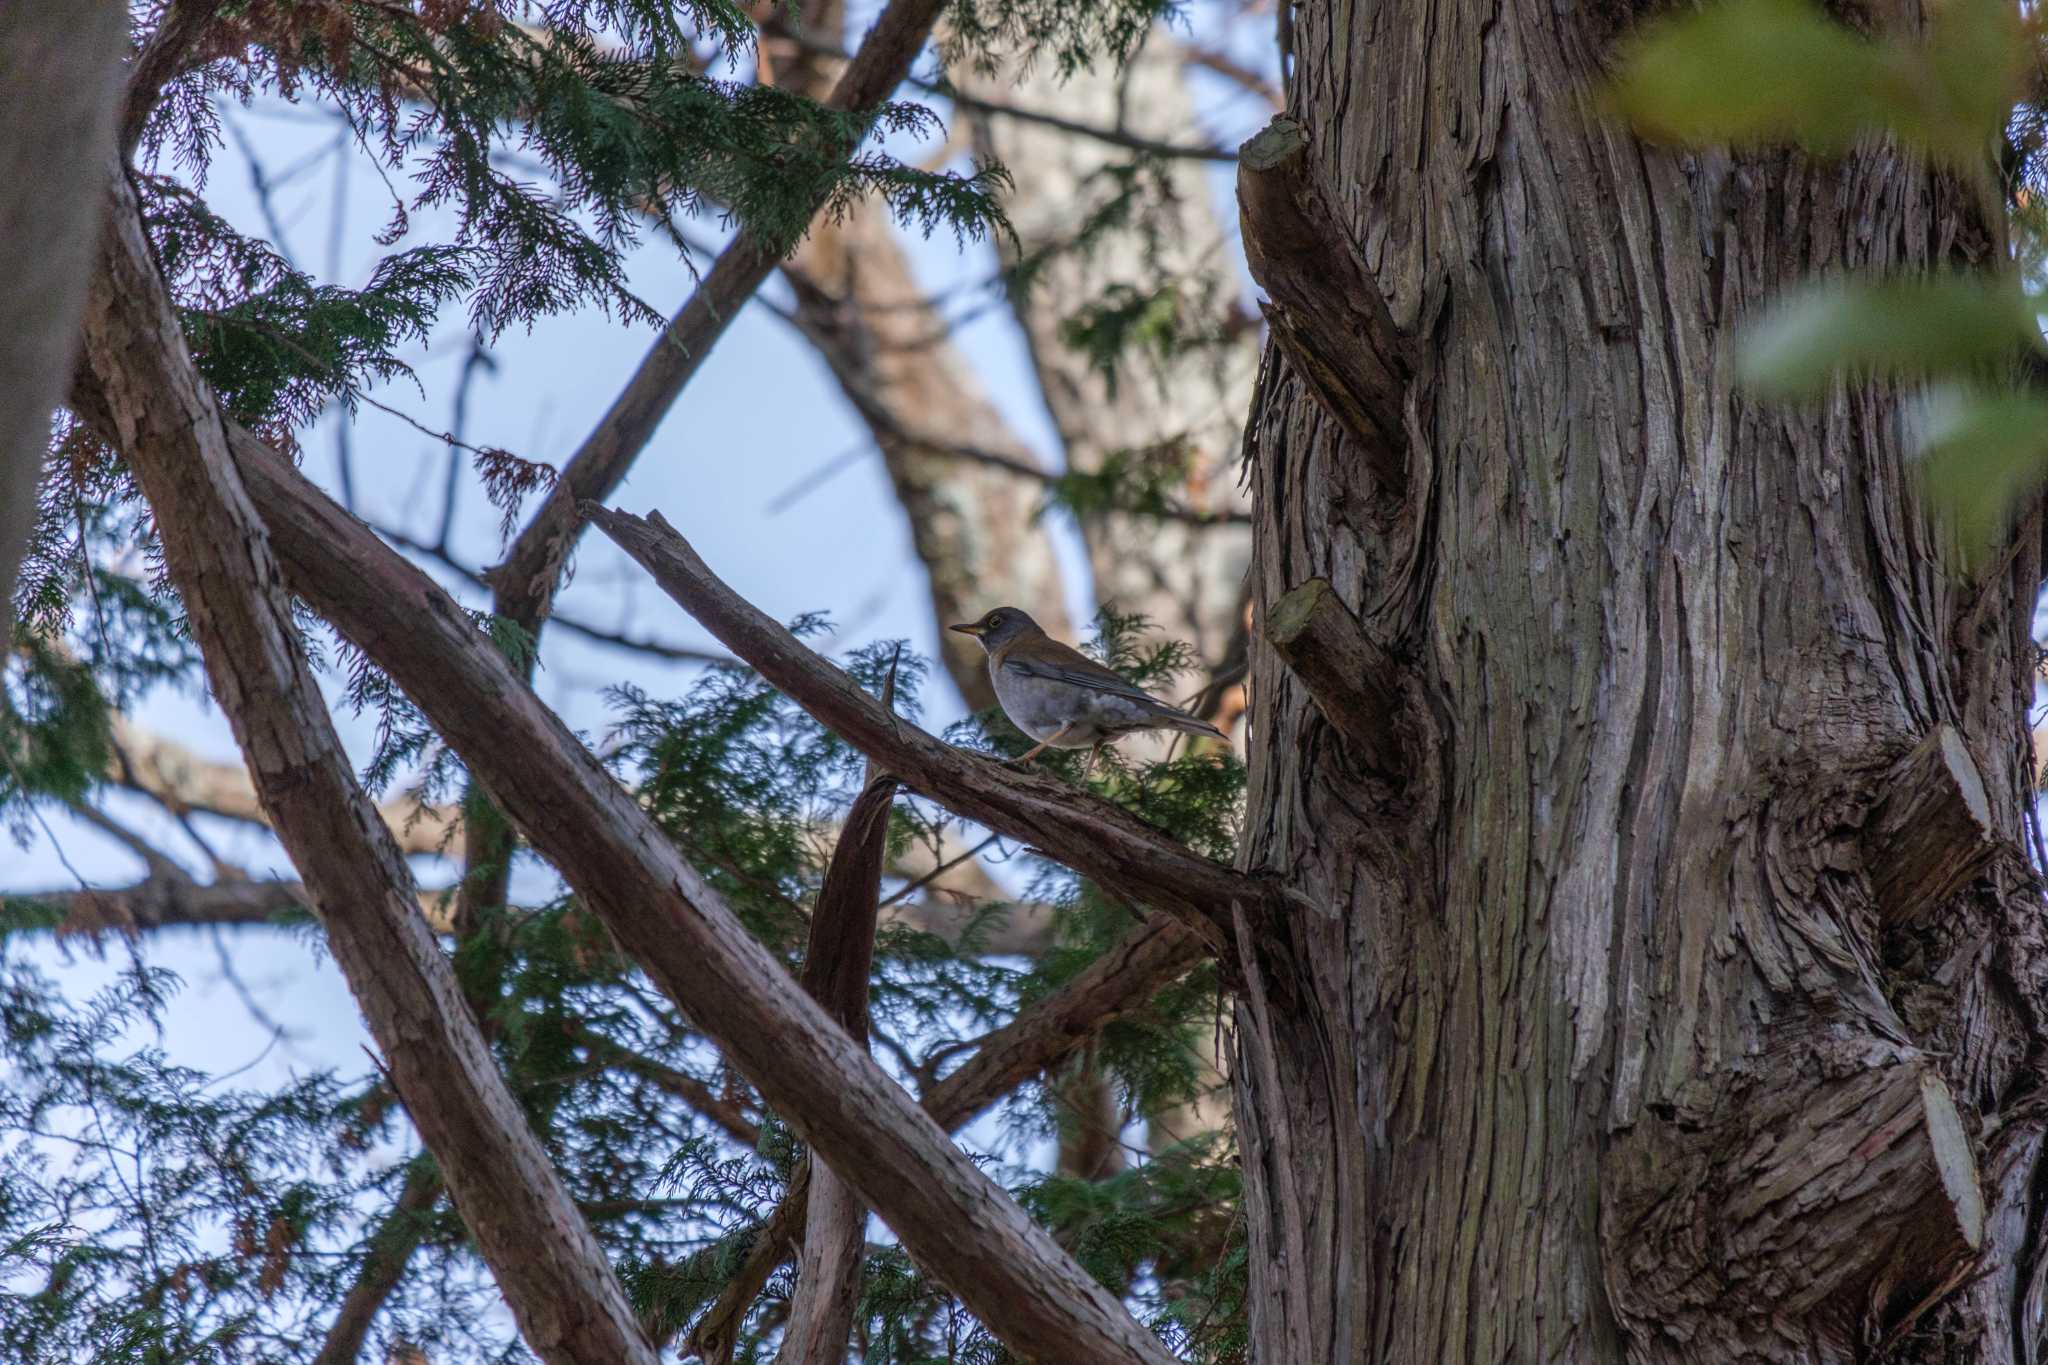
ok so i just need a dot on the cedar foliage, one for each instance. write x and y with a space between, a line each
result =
151 1213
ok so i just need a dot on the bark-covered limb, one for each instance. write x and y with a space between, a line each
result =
524 583
947 1212
1831 1178
391 1246
1328 313
1930 831
1131 859
1149 958
1349 678
1131 972
59 64
140 383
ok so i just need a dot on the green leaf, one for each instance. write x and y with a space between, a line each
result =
1980 450
1945 326
1770 71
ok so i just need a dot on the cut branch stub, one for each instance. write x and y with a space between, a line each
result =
1350 679
1930 833
1327 312
1829 1179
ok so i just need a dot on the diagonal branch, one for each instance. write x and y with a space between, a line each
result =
140 389
525 582
1131 859
945 1209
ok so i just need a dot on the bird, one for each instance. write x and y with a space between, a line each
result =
1061 697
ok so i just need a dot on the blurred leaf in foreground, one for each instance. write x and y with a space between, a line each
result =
1764 71
1944 327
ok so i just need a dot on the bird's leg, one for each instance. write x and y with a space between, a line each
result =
1039 748
1094 752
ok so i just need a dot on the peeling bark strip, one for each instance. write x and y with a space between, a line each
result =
139 386
1328 313
1930 831
59 61
838 962
1350 679
948 1213
1861 1189
1129 858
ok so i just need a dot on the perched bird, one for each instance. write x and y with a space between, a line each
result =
1061 697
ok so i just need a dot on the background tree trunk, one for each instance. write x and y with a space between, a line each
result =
1602 1036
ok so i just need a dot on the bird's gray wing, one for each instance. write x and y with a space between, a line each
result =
1093 676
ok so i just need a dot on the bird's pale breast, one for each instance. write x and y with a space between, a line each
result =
1042 707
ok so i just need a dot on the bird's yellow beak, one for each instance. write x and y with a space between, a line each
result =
973 628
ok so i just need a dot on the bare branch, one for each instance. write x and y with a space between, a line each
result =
1129 858
60 61
947 1212
139 387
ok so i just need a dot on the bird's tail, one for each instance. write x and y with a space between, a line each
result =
1181 720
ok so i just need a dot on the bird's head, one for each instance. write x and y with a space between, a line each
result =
999 628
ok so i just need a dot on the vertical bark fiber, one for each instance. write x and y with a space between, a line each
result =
1597 1043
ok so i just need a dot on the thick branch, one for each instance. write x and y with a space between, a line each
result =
1327 312
59 64
1129 858
1930 833
947 1212
139 383
1832 1179
1350 679
525 582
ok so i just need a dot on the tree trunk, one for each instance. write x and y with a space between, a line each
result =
1676 996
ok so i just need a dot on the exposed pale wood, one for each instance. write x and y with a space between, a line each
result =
139 386
946 1211
1350 679
60 62
1930 832
1327 311
1128 857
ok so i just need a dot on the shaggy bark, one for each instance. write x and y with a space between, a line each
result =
1594 1039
